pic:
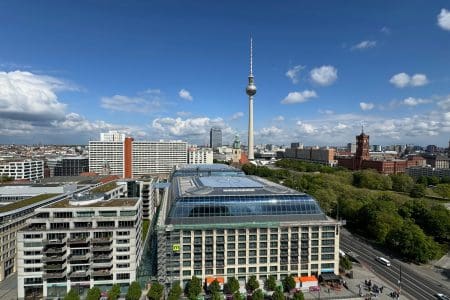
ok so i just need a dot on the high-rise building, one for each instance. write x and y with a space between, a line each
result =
251 91
215 138
200 155
79 242
131 158
26 169
221 224
112 136
69 166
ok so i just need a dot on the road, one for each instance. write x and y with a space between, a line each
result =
413 284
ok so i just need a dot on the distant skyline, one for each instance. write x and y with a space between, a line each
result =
174 69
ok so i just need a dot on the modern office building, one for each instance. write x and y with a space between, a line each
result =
215 138
130 158
26 169
237 225
68 166
112 136
416 172
318 155
198 155
78 242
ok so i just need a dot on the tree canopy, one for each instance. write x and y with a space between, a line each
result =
156 291
94 293
114 293
194 288
72 295
134 291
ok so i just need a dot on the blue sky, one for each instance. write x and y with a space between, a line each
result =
172 69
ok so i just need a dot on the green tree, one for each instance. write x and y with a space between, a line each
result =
114 293
72 295
156 291
175 292
278 294
232 285
289 283
258 295
216 296
410 241
252 284
401 183
194 288
237 296
94 293
422 180
417 191
443 190
345 263
433 180
299 296
271 283
371 179
134 291
214 287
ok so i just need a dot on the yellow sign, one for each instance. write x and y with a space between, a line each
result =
176 247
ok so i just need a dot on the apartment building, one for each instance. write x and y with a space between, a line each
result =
79 242
200 155
129 158
27 169
222 226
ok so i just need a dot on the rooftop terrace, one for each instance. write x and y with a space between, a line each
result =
26 202
122 202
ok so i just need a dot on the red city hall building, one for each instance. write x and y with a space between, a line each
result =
362 159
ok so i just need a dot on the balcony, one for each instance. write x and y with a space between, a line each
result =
79 257
102 256
104 248
55 241
80 274
55 275
54 258
79 240
55 250
102 240
103 272
103 265
53 267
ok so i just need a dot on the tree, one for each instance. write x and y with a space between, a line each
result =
232 285
258 295
401 183
289 283
94 293
194 288
134 291
237 296
345 263
252 283
114 293
175 292
278 294
156 291
271 283
417 191
299 296
72 295
214 287
443 190
216 296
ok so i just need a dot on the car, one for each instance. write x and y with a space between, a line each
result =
383 260
441 296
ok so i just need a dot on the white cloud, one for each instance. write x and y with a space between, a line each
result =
131 104
402 80
444 19
324 75
299 97
188 127
445 103
410 101
183 114
270 131
185 94
279 119
326 111
419 80
366 106
385 30
364 45
237 115
28 96
292 73
305 128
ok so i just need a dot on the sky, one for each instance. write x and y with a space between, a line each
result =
173 69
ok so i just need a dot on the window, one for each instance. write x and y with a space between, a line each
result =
327 256
327 266
186 273
262 269
125 213
231 270
122 257
85 214
121 266
231 261
241 261
62 214
123 249
106 213
123 233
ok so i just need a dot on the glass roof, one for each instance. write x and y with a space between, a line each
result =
229 182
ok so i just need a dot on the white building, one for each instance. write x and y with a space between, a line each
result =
78 242
27 169
200 155
135 158
112 136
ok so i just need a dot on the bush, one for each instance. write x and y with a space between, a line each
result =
94 293
114 293
156 291
72 295
134 291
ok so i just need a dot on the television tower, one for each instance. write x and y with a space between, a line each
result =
251 91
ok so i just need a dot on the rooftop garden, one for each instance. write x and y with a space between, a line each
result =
25 202
105 187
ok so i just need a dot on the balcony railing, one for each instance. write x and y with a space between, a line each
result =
103 240
55 266
79 257
54 275
55 258
103 272
55 250
55 241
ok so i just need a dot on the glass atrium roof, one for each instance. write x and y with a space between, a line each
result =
229 182
206 170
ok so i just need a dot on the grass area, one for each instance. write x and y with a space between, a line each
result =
25 202
145 225
105 187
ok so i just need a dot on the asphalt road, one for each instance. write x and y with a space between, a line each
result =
413 284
